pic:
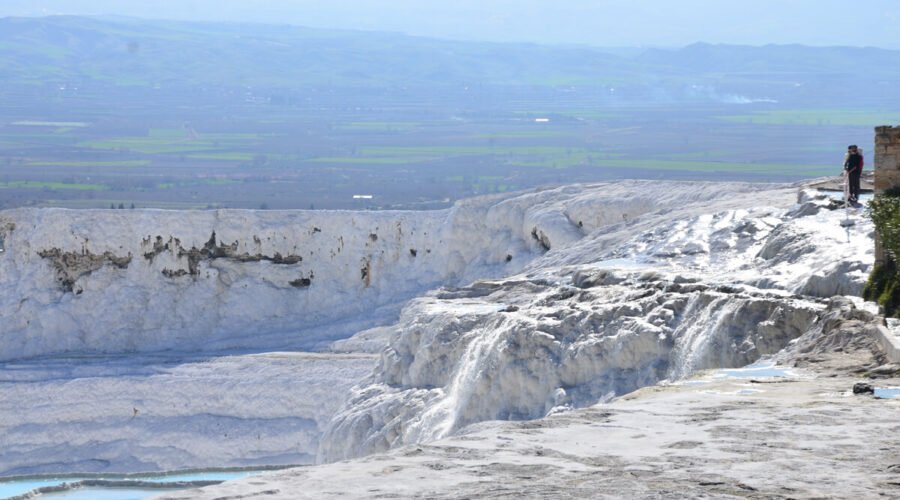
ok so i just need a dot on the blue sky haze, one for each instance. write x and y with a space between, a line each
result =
583 22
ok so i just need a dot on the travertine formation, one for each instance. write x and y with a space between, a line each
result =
138 326
626 306
105 281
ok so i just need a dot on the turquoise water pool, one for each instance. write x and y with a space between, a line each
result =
760 369
887 392
117 487
105 494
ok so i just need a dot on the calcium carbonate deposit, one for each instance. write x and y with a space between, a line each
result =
653 298
404 327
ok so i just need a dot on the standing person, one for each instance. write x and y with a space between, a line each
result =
853 165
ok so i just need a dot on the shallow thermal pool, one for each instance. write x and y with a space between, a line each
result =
887 392
131 487
759 370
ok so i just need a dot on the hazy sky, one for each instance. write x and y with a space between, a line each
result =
592 22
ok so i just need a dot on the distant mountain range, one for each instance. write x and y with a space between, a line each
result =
139 53
703 58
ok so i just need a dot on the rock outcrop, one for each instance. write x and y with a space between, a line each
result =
149 280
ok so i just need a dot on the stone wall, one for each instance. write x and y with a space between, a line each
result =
887 168
887 158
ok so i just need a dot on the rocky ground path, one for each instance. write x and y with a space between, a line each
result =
806 435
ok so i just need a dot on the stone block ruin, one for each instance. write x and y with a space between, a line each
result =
887 158
887 168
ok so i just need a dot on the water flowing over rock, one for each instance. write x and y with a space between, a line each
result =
722 434
465 356
74 281
540 302
628 305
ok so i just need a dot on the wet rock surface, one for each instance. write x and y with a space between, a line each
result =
804 436
520 349
713 289
120 414
208 277
699 280
842 341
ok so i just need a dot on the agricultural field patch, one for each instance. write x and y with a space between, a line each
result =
80 163
816 117
52 185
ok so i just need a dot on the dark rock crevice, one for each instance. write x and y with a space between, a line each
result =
211 250
541 238
301 283
169 273
366 272
70 266
4 231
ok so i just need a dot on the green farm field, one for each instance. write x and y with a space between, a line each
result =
817 117
147 113
298 164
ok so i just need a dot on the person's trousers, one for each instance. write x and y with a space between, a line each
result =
854 184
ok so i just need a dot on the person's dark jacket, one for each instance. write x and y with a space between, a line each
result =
854 163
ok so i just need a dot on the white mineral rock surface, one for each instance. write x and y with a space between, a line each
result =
757 433
127 335
147 413
723 438
660 297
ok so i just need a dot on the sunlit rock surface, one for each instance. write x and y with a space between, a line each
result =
146 280
789 431
520 349
540 302
660 297
124 281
